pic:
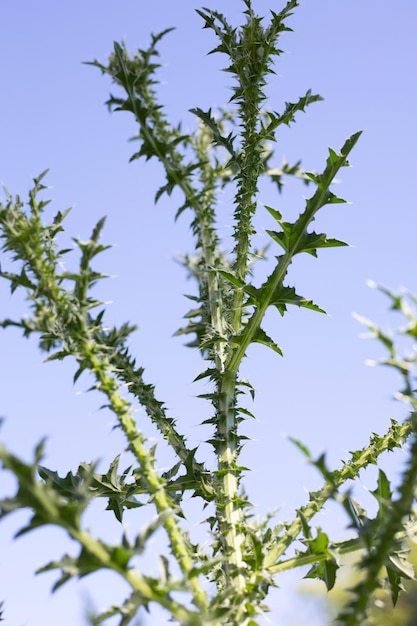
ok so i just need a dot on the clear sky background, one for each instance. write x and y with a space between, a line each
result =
361 57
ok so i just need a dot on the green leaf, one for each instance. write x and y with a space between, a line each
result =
383 491
127 611
86 563
325 571
356 513
261 337
232 278
46 498
218 138
275 214
301 447
282 239
69 486
287 295
289 240
326 567
310 242
275 119
398 568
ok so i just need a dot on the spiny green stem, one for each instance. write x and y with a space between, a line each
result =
138 582
395 437
355 613
163 504
249 71
229 511
301 560
145 393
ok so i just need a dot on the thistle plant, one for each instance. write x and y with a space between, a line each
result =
225 578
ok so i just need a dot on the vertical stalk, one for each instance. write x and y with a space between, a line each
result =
249 96
229 506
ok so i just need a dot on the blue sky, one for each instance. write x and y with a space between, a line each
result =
361 57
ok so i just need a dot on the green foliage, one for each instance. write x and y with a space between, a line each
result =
226 580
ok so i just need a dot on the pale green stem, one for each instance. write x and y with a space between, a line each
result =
138 582
163 504
395 437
